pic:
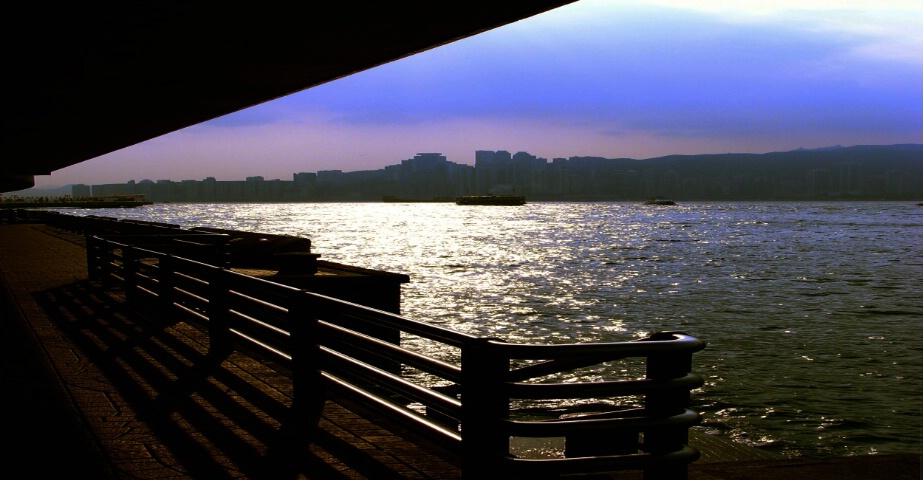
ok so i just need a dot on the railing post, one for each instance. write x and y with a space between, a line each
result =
220 342
165 270
666 366
222 253
485 403
106 263
130 265
308 395
92 257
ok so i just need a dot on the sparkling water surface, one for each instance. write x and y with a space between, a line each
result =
812 311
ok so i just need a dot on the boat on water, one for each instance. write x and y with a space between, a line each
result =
490 200
659 201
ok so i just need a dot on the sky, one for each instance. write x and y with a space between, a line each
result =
612 79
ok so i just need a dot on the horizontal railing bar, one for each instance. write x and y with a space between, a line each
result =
389 350
147 291
240 281
556 428
198 315
185 285
182 276
194 269
336 307
268 314
250 340
680 343
538 391
242 298
114 275
343 365
259 331
556 366
191 300
437 432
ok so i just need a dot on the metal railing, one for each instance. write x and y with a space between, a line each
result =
464 406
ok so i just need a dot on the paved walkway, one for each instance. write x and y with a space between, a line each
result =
93 390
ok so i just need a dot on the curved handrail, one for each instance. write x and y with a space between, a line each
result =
678 342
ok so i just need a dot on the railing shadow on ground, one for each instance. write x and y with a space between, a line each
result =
218 421
327 348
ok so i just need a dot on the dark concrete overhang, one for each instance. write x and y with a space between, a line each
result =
82 79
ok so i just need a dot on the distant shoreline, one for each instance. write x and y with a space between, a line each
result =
128 204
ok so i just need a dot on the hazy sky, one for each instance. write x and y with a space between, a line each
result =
596 78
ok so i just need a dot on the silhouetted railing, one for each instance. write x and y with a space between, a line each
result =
321 341
465 407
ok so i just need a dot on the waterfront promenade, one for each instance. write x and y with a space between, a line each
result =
94 390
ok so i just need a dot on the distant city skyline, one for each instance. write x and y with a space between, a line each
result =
411 158
854 173
612 79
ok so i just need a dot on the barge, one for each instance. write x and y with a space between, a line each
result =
491 200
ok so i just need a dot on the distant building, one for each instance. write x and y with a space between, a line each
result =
855 173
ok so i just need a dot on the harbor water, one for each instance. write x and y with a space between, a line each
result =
812 312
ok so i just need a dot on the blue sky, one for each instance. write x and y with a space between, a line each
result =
595 78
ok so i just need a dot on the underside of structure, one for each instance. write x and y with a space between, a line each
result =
83 79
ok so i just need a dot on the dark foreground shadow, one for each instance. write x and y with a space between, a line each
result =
208 418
